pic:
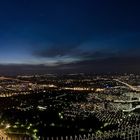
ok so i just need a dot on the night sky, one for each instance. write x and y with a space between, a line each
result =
40 36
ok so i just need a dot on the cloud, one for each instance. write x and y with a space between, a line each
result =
56 50
70 51
73 58
105 65
94 55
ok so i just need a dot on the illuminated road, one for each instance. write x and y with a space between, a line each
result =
10 78
129 101
132 109
60 96
121 101
3 136
126 84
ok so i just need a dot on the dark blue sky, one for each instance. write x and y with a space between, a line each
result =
70 34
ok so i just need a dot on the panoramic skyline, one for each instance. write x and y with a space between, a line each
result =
70 36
